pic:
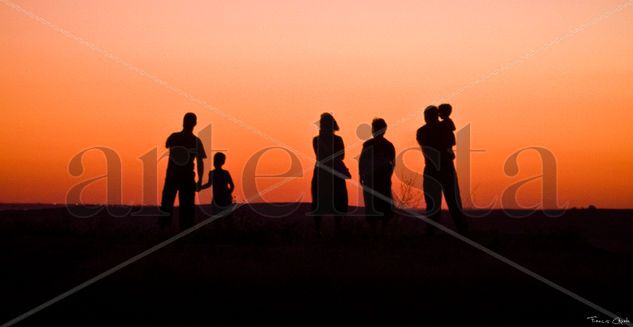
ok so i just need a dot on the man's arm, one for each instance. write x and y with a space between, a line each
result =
200 167
208 184
419 137
200 156
231 184
170 141
392 156
362 163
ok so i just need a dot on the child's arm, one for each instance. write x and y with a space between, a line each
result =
209 183
231 185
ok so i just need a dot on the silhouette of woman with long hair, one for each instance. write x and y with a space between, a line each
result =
329 192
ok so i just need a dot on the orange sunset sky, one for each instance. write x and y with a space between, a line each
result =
552 74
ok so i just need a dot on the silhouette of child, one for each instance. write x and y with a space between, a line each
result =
222 184
445 111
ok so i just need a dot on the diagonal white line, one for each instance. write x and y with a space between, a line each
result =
240 123
143 73
538 50
513 264
517 61
137 257
485 77
509 262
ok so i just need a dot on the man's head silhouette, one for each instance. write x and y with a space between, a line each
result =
189 122
431 114
378 127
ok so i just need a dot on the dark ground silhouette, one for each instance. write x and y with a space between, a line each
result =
275 271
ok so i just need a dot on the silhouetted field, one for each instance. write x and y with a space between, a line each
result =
262 266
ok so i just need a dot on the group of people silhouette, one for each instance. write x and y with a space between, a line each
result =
328 186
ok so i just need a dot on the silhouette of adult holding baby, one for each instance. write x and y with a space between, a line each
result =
437 139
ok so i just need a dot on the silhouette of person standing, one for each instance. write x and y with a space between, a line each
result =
329 191
376 165
184 148
439 170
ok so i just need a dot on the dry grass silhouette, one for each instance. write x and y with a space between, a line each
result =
409 194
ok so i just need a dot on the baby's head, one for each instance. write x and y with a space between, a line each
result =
445 110
219 159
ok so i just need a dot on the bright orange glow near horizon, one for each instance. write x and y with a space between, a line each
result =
549 74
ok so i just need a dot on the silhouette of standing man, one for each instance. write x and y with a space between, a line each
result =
439 171
183 147
375 165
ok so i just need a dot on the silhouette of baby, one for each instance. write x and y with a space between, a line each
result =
445 111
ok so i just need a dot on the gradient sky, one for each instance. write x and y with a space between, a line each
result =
276 65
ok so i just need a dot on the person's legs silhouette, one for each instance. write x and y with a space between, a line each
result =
433 198
454 201
186 197
167 203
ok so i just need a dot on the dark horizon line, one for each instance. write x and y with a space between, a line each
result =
280 203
